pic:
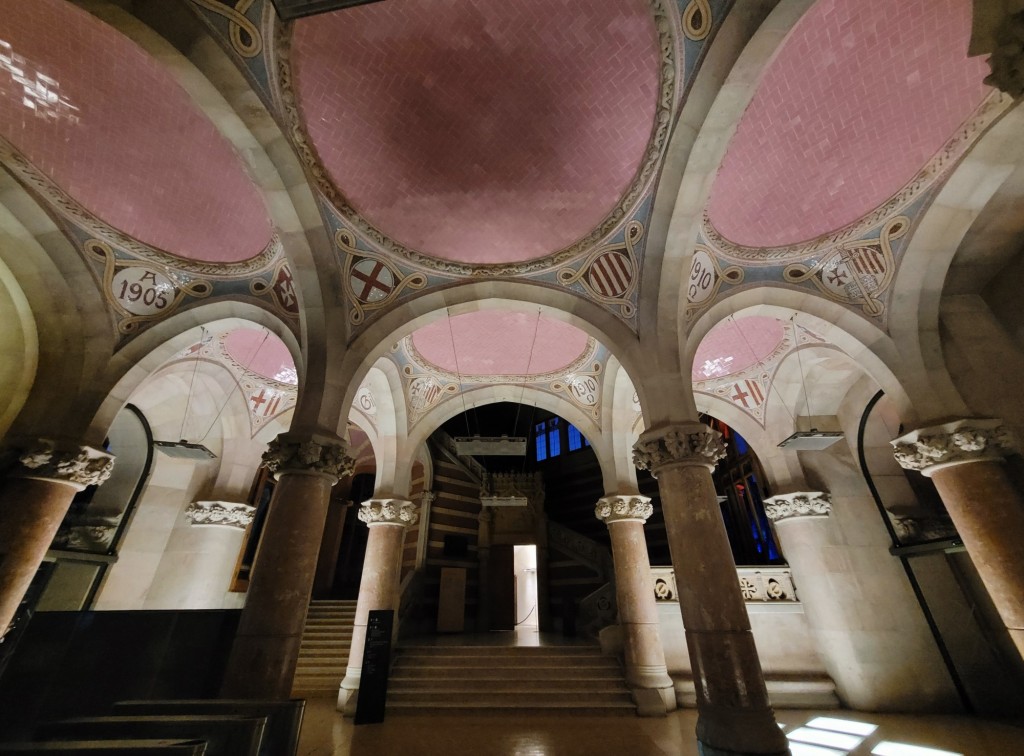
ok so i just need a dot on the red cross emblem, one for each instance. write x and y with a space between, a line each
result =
284 290
371 281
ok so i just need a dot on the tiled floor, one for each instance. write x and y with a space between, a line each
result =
325 733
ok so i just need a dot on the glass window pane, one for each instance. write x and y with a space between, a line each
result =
554 443
542 447
575 438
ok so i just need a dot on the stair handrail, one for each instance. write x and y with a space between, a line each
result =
410 595
586 550
599 609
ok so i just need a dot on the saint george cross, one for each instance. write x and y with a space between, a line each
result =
371 280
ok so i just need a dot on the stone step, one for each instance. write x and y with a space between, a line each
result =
502 662
493 651
508 698
611 684
504 673
467 707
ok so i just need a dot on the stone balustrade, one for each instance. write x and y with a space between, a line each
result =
759 585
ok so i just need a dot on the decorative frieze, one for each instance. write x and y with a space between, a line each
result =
798 504
633 508
388 512
758 585
316 455
224 513
77 466
694 444
956 443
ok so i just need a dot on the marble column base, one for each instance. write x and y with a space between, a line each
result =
654 702
725 731
348 692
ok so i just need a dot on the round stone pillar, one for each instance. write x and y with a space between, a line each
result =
964 460
266 648
380 582
33 502
199 559
733 713
646 672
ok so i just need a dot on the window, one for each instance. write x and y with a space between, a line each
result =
575 438
542 442
548 438
554 437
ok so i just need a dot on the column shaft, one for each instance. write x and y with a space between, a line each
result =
31 511
638 615
735 716
988 512
378 589
263 658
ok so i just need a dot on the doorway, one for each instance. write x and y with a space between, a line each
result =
525 567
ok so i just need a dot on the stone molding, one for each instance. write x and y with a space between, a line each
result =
222 513
308 455
77 466
694 444
956 443
796 505
388 512
632 508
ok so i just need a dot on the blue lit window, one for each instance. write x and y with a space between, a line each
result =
575 438
554 440
542 442
741 443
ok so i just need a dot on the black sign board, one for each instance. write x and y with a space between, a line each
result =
288 10
373 682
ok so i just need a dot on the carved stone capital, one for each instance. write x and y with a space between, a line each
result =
308 455
388 512
633 508
76 466
1002 35
693 444
798 504
956 443
224 513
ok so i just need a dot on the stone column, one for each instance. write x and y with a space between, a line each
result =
380 582
734 716
196 568
266 648
964 460
33 502
646 672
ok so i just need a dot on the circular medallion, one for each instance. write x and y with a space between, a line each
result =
371 280
611 274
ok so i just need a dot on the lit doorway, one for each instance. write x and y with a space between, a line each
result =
525 566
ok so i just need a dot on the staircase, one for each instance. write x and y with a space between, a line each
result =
323 654
566 679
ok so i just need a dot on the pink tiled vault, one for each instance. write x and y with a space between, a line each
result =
476 130
262 353
860 96
735 345
499 342
109 126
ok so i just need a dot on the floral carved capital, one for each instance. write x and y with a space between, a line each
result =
78 466
634 508
224 513
315 455
798 504
695 444
388 512
956 443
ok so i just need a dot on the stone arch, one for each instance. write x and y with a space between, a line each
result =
564 306
72 324
149 351
529 395
19 348
743 47
220 90
855 336
927 261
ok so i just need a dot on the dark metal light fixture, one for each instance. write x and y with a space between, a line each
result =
812 440
289 10
184 450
